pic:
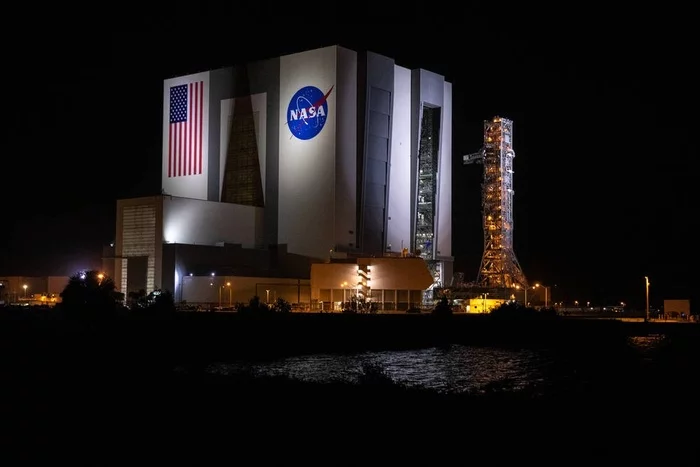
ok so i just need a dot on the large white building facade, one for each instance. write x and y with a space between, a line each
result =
327 151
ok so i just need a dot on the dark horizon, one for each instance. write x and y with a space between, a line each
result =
602 132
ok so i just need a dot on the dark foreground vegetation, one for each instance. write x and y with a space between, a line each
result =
116 383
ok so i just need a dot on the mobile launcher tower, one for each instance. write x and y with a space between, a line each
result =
499 266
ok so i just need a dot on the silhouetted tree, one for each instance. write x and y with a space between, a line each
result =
255 307
89 296
443 307
282 306
138 299
158 302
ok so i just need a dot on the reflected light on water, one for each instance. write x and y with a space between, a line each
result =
647 343
453 369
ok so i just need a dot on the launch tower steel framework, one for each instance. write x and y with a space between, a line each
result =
499 265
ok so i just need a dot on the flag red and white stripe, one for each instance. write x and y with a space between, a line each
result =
185 130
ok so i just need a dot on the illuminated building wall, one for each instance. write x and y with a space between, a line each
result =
396 283
138 244
228 290
196 222
444 189
399 215
145 224
317 154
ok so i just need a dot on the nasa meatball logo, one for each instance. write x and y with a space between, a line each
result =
307 112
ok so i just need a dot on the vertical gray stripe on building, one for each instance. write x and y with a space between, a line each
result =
375 174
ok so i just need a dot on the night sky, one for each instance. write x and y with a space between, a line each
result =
604 128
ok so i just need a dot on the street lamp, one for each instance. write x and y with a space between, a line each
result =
546 293
25 290
525 290
646 316
230 294
228 284
517 287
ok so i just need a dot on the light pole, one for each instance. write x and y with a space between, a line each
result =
546 294
525 290
646 316
230 295
267 296
517 287
25 290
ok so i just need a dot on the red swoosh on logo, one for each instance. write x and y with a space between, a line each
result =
322 100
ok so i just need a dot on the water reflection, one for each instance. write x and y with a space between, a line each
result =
452 369
647 343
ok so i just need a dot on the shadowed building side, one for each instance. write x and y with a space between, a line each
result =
242 180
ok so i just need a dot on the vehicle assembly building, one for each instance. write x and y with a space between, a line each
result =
290 161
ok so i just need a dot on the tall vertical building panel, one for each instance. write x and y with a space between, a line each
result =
399 213
185 160
346 151
377 145
307 152
444 211
265 78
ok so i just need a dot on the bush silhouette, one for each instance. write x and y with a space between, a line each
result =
255 307
513 310
159 302
138 299
443 307
282 306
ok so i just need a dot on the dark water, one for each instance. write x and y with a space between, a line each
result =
452 369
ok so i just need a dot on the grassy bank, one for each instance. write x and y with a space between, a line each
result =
227 335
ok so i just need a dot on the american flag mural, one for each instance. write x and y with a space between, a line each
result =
185 129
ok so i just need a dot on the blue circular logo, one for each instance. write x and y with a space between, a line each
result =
307 112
